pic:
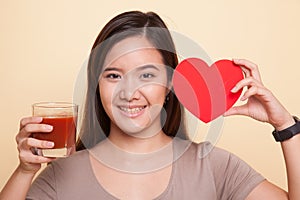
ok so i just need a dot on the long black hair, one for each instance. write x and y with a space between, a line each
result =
96 123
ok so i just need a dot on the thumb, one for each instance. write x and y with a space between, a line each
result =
238 110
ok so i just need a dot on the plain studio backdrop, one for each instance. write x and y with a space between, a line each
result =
44 45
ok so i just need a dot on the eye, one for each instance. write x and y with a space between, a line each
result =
147 76
113 76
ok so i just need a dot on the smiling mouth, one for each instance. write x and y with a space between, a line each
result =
132 112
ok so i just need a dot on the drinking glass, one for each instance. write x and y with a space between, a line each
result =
63 117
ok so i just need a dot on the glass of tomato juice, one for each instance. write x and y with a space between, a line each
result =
63 117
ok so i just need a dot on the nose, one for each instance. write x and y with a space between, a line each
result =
129 89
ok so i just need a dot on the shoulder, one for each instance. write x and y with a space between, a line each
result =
217 161
233 178
202 151
74 166
55 176
75 160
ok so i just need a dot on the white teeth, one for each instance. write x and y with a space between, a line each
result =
131 110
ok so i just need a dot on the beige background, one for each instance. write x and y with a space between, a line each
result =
45 43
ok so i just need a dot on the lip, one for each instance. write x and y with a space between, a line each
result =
132 111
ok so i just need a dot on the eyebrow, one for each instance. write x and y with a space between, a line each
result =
148 67
139 68
111 69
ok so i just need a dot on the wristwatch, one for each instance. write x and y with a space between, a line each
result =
287 133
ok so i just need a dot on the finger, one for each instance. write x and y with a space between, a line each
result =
261 93
28 143
32 142
27 157
237 110
250 81
27 130
250 92
249 65
30 120
246 71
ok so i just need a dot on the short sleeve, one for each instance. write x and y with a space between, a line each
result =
234 178
43 187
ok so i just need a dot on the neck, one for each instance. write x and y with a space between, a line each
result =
133 143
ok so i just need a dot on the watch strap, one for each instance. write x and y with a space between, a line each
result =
287 133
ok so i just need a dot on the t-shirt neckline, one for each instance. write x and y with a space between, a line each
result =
161 195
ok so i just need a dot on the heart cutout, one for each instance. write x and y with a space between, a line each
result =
205 91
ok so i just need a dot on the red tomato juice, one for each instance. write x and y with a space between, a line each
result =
63 133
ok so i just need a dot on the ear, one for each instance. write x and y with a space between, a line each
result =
169 87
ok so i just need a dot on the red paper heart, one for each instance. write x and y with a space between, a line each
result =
205 91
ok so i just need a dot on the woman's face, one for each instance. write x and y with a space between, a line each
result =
133 86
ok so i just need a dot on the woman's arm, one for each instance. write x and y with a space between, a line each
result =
291 152
263 106
19 183
266 190
17 186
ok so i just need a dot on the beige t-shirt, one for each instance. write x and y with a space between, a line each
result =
200 172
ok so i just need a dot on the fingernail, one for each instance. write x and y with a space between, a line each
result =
234 89
39 119
50 144
48 127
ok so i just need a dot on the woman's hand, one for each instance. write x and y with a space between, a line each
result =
262 105
29 162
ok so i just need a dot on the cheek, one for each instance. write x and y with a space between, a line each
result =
106 95
155 94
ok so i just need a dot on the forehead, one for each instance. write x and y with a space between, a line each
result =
133 52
